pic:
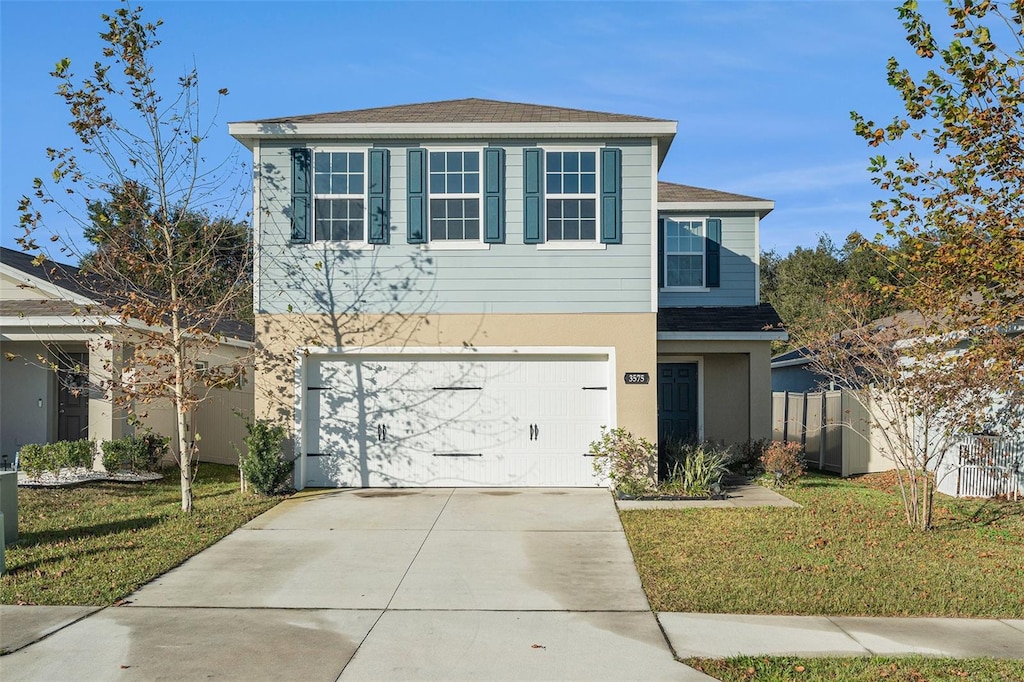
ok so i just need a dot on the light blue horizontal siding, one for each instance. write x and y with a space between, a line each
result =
738 265
506 278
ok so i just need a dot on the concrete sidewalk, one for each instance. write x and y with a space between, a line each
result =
706 635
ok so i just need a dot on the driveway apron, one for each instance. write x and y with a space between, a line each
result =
405 584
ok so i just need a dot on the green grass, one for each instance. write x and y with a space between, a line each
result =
848 551
96 543
904 669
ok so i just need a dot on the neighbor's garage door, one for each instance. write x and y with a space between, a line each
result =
453 421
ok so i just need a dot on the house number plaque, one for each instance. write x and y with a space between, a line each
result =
637 378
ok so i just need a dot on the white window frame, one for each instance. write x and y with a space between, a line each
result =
666 253
594 244
456 244
342 244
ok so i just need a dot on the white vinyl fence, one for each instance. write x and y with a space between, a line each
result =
983 466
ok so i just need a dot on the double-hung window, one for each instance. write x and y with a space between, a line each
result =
685 241
570 184
339 196
454 190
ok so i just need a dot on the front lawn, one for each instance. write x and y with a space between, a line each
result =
846 552
911 669
96 543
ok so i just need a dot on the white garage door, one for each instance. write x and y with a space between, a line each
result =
437 420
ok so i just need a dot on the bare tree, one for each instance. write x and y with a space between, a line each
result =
149 198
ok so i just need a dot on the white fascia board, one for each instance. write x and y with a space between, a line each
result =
52 321
790 363
45 286
723 336
247 132
34 328
762 208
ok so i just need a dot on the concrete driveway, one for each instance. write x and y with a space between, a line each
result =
411 584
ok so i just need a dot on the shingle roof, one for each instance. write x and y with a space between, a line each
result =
747 318
672 192
470 110
70 278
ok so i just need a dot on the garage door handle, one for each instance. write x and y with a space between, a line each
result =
595 388
458 388
382 432
534 432
458 454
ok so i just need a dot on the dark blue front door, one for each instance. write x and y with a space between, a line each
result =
677 403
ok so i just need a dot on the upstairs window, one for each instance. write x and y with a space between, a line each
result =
570 188
454 190
684 253
339 196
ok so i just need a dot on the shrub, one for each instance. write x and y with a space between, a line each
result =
131 453
626 460
76 453
33 460
703 469
746 458
783 463
262 465
697 469
36 459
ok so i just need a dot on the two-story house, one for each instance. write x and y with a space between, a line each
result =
464 292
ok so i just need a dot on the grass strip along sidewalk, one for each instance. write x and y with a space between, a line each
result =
846 552
910 669
95 543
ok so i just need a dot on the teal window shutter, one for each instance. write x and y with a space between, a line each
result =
661 253
301 200
416 197
380 220
611 196
714 251
494 195
533 195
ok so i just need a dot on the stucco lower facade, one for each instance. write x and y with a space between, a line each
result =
734 385
627 338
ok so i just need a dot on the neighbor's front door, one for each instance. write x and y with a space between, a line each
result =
73 397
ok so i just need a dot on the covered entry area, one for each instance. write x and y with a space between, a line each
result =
456 418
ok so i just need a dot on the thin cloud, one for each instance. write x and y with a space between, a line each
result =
807 178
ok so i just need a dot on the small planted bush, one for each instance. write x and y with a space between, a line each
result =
783 463
697 469
745 458
32 459
627 460
37 459
262 465
133 453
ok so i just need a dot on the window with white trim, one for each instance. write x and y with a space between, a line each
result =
570 184
339 196
454 190
684 252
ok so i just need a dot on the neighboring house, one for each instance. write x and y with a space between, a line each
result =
844 435
464 292
59 346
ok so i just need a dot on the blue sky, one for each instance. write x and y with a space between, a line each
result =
762 90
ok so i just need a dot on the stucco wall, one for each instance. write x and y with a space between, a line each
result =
631 335
735 385
27 400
